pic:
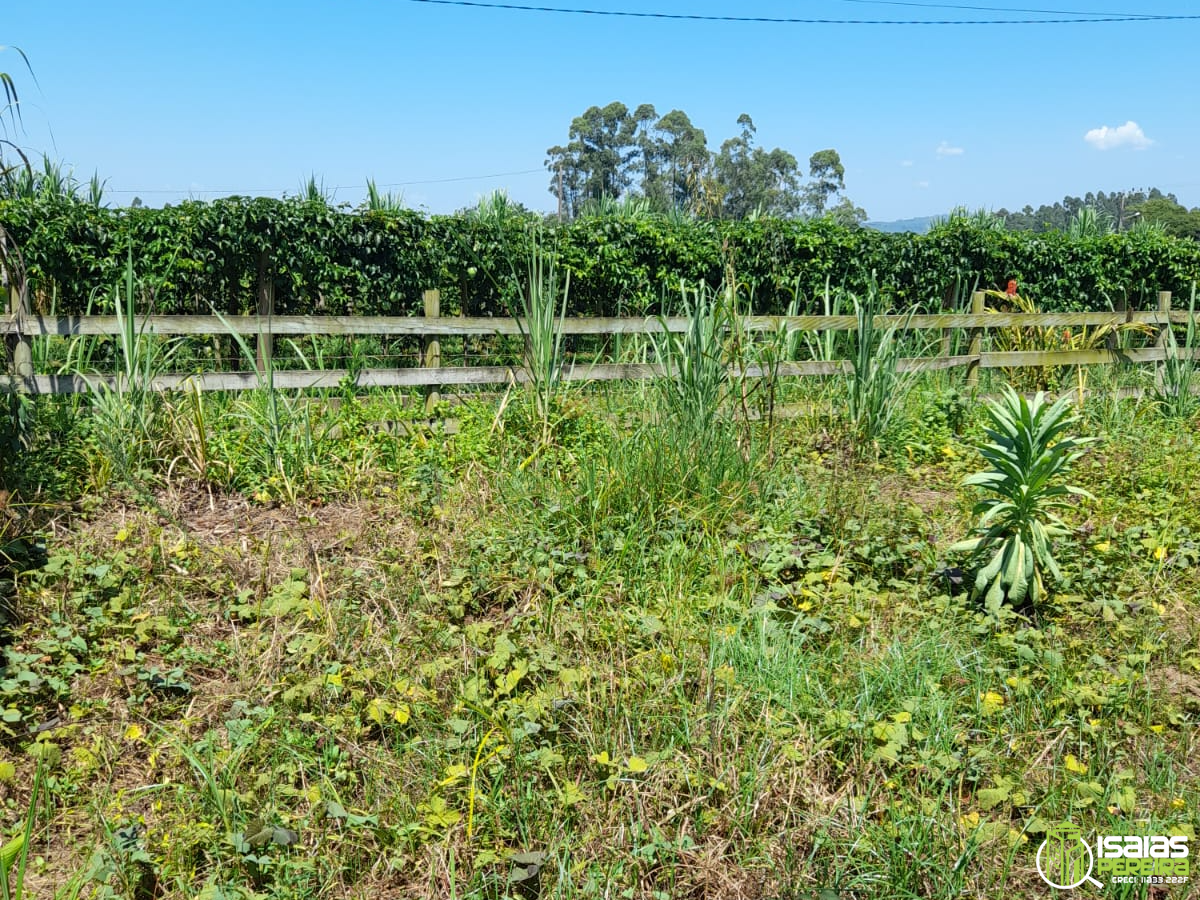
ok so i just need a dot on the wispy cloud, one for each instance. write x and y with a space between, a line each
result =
907 163
922 184
1128 135
946 149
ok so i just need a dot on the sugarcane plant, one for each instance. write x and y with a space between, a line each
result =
1030 450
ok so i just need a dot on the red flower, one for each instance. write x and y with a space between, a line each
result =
1012 287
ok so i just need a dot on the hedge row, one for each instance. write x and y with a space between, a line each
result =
202 255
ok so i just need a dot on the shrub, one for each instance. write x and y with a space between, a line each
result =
1029 453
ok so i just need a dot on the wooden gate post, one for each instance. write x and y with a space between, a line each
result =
977 301
431 348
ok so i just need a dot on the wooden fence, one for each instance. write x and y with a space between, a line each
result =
21 327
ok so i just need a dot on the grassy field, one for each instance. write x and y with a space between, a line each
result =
584 647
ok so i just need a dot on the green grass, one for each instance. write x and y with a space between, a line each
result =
448 669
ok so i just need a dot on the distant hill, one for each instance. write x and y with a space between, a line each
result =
919 225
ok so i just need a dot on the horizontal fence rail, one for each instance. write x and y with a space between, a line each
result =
20 327
452 326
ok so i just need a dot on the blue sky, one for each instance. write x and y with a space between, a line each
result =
177 99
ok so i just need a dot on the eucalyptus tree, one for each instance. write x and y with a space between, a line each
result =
600 157
754 180
675 156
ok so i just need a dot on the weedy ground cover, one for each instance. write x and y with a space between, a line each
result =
585 649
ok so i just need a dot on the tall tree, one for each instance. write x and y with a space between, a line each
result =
755 180
1174 217
846 213
675 155
599 158
1119 207
828 177
612 152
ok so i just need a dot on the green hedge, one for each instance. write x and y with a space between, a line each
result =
326 260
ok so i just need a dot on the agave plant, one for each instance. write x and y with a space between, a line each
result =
1029 452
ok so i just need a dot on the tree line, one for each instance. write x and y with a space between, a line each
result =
617 154
1115 212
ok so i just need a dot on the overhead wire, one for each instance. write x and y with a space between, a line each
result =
336 187
1004 9
1085 19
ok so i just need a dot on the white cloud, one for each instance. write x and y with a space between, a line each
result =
945 149
907 163
922 184
1128 135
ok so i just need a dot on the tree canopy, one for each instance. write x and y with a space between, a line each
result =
614 153
1119 210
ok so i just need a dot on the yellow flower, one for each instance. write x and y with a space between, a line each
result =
1104 546
1160 553
1178 803
991 702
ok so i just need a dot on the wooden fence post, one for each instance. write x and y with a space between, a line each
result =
1164 326
20 347
948 306
1112 339
431 348
977 300
264 342
1164 333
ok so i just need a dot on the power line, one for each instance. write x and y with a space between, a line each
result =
336 187
1085 19
1040 12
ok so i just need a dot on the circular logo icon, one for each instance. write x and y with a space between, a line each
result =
1064 860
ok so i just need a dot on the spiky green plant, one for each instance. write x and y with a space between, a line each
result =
12 110
875 386
16 851
1173 389
696 380
314 191
1090 222
125 409
280 440
1029 450
543 306
383 201
497 209
823 345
